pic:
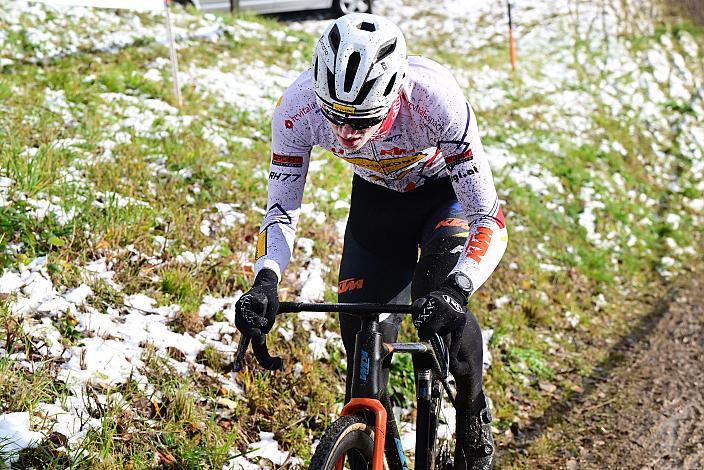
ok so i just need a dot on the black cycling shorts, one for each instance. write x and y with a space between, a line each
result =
398 247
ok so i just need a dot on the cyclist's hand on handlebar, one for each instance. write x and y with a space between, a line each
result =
442 311
256 309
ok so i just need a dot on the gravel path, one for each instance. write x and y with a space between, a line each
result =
646 412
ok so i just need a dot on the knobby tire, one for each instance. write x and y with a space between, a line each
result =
348 436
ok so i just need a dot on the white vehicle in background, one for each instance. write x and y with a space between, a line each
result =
340 7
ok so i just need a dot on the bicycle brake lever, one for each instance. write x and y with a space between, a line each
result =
261 352
442 355
241 349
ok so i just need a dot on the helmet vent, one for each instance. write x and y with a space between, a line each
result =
390 86
334 38
331 84
366 88
386 50
351 72
366 26
315 69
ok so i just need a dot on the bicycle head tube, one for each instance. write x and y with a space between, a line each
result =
369 352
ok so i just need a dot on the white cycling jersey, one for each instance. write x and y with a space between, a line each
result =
431 132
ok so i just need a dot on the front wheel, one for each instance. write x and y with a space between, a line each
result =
343 7
348 443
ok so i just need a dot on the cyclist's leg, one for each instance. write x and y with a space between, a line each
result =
442 244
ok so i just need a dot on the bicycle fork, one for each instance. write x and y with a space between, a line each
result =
428 397
368 397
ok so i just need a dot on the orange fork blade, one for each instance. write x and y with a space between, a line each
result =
340 464
369 404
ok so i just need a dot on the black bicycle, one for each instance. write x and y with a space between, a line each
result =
366 435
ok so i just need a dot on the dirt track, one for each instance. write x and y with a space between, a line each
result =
646 410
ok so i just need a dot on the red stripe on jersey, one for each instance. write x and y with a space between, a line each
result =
500 219
385 127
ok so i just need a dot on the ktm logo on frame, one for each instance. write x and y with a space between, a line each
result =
347 285
479 244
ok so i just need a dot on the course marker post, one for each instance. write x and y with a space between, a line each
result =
172 53
511 41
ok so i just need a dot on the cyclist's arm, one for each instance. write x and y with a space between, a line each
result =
469 170
287 176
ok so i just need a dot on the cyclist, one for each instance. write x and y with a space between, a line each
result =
424 219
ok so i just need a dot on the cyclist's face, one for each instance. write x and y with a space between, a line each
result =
350 138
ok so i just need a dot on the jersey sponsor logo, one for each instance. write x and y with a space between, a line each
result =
473 170
286 160
261 245
452 222
479 244
424 114
393 138
276 176
294 118
351 284
453 160
344 109
388 165
396 151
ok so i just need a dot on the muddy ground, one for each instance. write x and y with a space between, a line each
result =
644 406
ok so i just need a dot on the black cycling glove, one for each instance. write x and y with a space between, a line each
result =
255 310
443 311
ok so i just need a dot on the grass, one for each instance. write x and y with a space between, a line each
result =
551 331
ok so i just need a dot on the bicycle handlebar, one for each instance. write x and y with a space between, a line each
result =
261 352
354 309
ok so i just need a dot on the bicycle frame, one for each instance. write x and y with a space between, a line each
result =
368 395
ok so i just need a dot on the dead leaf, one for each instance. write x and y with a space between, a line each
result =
143 407
226 424
163 458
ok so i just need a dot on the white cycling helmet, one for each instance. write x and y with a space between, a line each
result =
359 66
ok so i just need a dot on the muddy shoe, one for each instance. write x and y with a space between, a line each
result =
474 449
